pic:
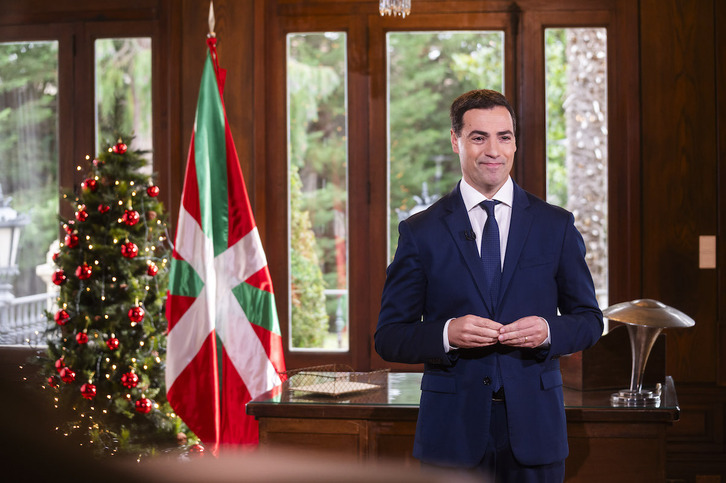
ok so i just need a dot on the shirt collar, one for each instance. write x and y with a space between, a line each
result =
472 197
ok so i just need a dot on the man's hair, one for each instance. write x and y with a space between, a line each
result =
478 99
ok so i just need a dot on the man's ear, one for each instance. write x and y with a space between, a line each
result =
454 142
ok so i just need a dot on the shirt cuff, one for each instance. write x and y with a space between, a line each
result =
548 341
448 347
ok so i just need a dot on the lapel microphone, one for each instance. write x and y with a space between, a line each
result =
469 235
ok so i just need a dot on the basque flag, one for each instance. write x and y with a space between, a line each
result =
224 346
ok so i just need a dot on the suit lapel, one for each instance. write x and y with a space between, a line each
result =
457 220
518 230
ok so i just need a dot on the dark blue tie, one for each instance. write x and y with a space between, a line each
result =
490 253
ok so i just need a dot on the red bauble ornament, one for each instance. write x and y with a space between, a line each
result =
153 191
129 250
62 317
68 227
53 381
103 208
59 277
97 161
130 380
88 390
152 270
82 214
71 240
59 364
143 405
67 375
82 338
55 256
131 217
136 314
112 343
196 450
90 184
83 272
119 147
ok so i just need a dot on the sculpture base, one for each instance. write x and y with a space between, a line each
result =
636 399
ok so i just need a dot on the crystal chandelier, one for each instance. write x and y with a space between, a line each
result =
395 7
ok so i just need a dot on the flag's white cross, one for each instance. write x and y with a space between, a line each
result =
216 307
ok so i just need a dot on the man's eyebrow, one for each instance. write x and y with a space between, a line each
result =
484 133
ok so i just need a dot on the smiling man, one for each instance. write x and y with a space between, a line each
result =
488 288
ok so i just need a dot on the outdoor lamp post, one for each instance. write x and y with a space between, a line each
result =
645 319
11 224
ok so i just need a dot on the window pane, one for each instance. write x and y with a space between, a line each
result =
426 72
318 161
577 137
123 93
28 185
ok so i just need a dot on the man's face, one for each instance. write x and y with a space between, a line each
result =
486 148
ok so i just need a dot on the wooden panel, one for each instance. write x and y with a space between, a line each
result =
679 173
611 452
392 440
329 435
696 445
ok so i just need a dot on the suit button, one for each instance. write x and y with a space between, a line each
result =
487 381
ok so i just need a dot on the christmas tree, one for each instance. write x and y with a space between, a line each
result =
107 339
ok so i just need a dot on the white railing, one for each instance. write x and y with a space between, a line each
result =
23 320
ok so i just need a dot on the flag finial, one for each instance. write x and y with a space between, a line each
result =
211 33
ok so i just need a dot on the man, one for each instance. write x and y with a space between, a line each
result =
489 332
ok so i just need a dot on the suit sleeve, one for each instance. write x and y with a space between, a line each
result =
579 323
401 334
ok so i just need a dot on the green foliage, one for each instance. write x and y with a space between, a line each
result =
318 176
123 87
556 90
29 146
307 288
100 305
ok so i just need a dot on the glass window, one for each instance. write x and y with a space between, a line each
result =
318 196
28 185
426 72
577 137
123 93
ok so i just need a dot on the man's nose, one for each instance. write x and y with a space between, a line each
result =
491 148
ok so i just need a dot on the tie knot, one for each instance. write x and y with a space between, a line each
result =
488 206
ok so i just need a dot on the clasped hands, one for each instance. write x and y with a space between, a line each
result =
472 331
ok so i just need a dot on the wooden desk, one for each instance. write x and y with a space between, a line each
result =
606 443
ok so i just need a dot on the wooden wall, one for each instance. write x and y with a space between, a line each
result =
683 116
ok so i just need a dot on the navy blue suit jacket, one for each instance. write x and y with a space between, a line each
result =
437 275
